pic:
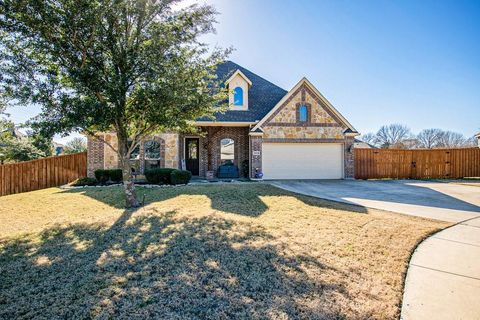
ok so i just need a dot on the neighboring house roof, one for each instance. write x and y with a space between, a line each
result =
357 143
262 95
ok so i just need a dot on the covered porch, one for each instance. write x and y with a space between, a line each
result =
216 146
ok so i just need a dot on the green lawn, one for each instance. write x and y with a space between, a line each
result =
214 251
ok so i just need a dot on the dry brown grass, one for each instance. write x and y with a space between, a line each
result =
224 251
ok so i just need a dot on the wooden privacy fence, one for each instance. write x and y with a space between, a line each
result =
417 164
42 173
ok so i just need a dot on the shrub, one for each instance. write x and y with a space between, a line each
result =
245 168
180 177
101 175
116 175
104 175
85 181
159 175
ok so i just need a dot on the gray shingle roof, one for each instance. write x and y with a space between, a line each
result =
262 95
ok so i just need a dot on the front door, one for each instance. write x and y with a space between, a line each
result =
192 155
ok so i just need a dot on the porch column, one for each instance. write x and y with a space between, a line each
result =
349 157
256 140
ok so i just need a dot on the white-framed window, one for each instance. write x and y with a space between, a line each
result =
227 150
238 96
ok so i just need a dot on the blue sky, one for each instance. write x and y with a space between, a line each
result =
379 62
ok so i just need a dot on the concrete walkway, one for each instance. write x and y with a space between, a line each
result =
443 278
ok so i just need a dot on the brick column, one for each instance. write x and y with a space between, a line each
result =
255 154
349 158
95 155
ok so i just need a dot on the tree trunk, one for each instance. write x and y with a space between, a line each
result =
128 185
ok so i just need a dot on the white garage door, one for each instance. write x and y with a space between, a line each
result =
302 160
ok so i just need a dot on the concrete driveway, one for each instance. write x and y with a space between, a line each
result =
435 200
443 278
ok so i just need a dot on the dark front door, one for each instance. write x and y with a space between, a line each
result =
192 155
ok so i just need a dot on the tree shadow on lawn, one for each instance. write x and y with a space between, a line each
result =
243 200
160 265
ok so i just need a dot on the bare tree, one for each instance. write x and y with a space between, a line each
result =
471 142
430 138
450 139
368 138
392 135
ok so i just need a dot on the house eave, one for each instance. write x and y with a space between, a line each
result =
224 123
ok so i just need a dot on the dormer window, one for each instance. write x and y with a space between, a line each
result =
238 96
238 84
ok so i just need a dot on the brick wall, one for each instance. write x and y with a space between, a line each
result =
255 155
210 147
95 155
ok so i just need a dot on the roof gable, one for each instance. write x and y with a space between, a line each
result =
305 84
238 73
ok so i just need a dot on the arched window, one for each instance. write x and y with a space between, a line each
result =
227 151
238 96
303 113
152 150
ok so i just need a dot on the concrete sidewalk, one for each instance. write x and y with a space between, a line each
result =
443 279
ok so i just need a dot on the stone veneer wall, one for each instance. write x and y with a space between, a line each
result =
172 150
280 132
111 157
318 112
101 156
349 158
284 123
323 126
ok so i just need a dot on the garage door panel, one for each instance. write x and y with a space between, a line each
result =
302 160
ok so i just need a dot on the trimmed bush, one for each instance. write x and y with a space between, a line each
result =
85 181
105 175
245 168
116 175
159 175
101 175
180 177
